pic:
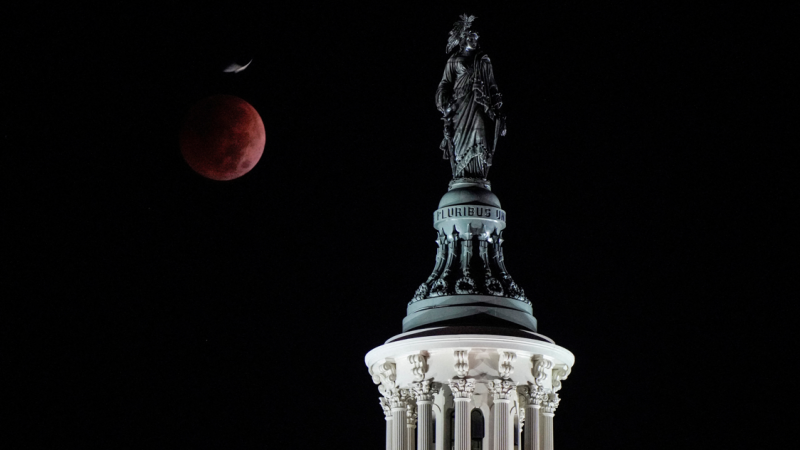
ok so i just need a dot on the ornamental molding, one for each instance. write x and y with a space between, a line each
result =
560 372
411 414
502 389
462 387
385 376
506 364
419 365
462 362
550 403
400 399
387 407
532 395
541 369
425 390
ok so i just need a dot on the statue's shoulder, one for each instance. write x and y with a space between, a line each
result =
484 57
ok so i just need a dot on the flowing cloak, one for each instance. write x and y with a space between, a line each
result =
468 88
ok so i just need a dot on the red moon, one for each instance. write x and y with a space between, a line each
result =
222 138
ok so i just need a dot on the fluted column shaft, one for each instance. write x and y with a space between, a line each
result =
463 433
532 427
388 432
502 419
547 431
424 391
502 391
424 425
549 406
399 435
462 389
411 423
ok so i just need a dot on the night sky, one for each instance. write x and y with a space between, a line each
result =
642 175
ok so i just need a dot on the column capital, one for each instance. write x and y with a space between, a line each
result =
411 415
386 405
550 403
534 395
399 399
462 388
502 389
425 390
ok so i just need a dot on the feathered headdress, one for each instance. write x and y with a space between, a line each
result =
459 31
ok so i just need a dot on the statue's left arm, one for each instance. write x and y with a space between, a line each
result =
494 103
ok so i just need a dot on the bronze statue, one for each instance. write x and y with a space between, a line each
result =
471 103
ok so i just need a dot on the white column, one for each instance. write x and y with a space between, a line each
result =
502 390
548 411
399 435
423 393
462 396
389 432
411 422
533 399
387 414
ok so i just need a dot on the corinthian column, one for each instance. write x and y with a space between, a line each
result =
462 394
423 393
548 411
411 422
398 403
533 404
387 414
502 391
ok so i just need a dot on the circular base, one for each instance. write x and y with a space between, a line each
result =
435 310
465 182
469 194
484 354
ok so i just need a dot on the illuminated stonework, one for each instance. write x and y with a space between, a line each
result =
469 371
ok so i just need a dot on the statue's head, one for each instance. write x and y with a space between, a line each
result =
462 36
470 41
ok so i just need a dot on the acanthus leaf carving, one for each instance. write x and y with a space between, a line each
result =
550 403
387 407
462 387
400 398
425 390
411 412
502 389
532 395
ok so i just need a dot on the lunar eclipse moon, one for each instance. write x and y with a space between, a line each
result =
222 137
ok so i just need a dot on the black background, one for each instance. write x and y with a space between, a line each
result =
643 176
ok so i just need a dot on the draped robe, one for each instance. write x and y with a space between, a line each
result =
469 90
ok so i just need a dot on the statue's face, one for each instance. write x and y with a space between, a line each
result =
471 42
